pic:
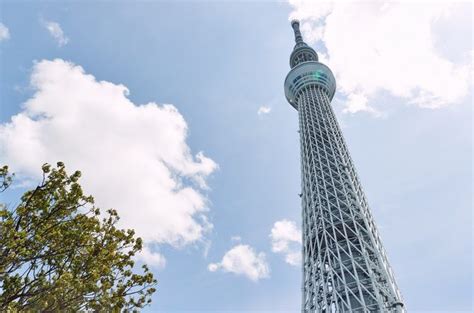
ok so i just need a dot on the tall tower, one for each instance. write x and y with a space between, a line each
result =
345 268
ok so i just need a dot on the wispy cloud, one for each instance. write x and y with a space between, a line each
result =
286 240
236 238
4 32
56 32
264 110
388 46
243 260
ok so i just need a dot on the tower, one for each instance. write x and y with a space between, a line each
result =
345 268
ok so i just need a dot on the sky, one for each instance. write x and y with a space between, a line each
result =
176 116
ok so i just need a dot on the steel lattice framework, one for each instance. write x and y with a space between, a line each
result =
345 268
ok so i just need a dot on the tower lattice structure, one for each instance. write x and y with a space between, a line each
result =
345 267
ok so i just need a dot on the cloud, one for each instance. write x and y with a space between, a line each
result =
236 238
243 260
56 32
152 259
4 32
286 240
264 110
359 102
134 158
387 46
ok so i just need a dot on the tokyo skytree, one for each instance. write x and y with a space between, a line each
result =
345 268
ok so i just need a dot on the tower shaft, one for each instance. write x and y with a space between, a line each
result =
345 268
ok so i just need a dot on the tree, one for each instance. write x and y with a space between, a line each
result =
58 253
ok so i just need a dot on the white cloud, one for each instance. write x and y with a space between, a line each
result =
286 240
243 260
389 46
4 32
134 158
152 259
264 110
359 102
56 32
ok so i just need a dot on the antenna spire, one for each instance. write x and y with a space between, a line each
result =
301 52
296 28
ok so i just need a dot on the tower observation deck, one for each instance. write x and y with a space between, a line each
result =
345 268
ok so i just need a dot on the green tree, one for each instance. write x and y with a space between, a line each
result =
58 253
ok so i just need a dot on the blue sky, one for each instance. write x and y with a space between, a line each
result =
218 64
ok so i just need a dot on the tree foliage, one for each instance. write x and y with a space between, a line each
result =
58 253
